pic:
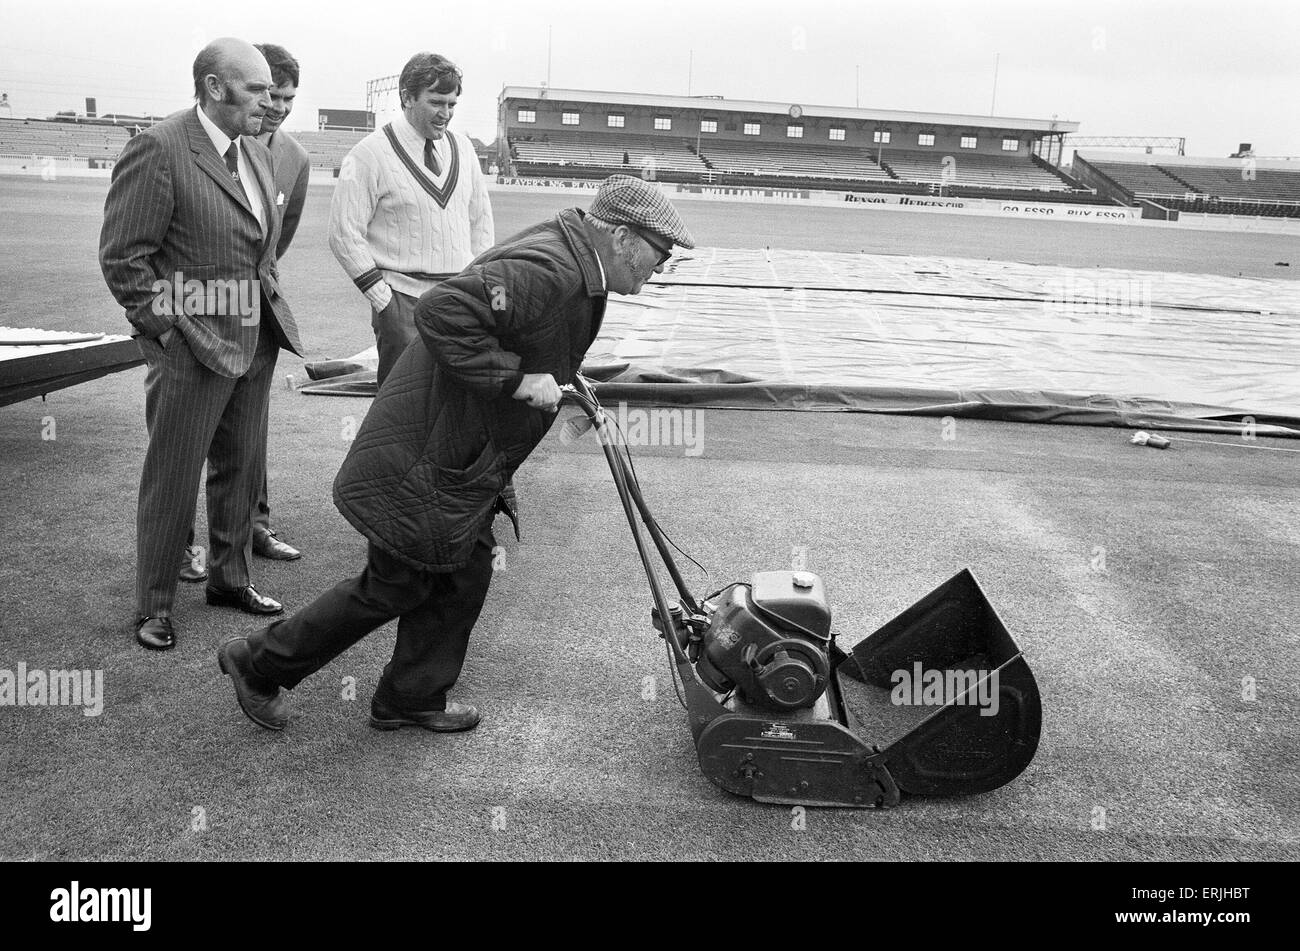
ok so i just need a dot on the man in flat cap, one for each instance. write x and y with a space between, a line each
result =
465 405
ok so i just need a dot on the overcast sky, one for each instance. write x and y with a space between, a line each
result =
1218 73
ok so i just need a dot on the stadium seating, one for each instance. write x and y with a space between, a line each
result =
797 160
1239 182
1142 180
1084 197
70 140
972 170
1212 204
62 140
574 154
328 147
563 152
1235 189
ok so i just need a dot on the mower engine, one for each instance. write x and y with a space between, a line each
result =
768 640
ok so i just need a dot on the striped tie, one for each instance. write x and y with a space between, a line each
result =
430 158
232 160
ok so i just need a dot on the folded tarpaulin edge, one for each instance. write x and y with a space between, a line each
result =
1011 406
672 386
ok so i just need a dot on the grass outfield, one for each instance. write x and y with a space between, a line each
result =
884 231
1140 657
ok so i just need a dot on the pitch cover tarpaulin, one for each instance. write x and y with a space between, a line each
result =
943 336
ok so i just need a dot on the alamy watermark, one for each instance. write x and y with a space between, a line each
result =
919 687
76 904
1103 297
652 426
53 688
207 298
659 426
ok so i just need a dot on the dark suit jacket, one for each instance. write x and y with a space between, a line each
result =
292 166
174 214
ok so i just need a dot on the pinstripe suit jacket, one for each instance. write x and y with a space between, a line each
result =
174 215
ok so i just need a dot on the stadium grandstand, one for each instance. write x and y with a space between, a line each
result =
97 142
327 147
568 133
32 139
1242 185
338 130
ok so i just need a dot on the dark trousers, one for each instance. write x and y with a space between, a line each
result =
261 513
436 613
394 328
194 414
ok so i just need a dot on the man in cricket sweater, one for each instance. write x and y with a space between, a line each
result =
411 205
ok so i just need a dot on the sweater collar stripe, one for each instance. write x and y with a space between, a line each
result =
440 195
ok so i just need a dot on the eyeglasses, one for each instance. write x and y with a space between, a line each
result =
664 253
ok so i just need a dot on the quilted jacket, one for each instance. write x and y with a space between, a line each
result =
444 436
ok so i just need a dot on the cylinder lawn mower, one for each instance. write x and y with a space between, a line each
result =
938 702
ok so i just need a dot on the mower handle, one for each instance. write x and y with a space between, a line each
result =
630 495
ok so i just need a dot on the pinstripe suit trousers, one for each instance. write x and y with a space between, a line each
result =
193 414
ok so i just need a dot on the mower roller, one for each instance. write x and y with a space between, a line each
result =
938 702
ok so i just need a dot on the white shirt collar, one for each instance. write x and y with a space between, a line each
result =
604 284
414 134
404 126
220 141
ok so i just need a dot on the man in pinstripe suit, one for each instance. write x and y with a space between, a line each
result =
188 249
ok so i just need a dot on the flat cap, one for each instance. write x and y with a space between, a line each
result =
625 200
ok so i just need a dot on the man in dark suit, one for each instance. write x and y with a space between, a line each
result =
292 168
292 165
188 249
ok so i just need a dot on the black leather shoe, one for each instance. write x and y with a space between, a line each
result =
457 718
258 697
190 570
267 545
246 599
155 633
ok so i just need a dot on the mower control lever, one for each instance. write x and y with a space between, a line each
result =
693 626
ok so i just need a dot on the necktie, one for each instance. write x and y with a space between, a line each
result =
232 160
430 158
